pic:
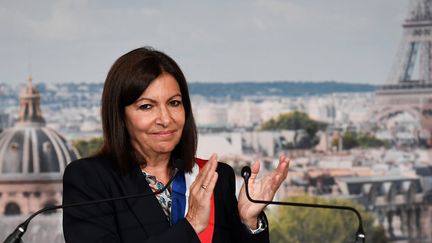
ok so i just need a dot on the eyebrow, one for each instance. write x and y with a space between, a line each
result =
154 101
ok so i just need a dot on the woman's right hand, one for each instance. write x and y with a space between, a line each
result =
200 195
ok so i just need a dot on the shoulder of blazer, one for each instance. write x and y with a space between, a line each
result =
98 161
223 169
101 165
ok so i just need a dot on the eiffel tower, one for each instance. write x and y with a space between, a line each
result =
405 92
409 90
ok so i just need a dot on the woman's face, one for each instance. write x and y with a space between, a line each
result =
156 119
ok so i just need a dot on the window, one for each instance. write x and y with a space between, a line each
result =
50 203
14 146
12 209
47 147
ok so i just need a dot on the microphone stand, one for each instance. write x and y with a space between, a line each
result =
15 236
360 235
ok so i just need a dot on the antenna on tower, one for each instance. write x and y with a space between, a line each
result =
29 63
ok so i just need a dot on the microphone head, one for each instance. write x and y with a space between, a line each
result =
246 172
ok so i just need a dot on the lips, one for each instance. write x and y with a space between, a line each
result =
166 133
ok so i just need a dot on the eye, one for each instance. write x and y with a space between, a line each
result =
145 107
175 103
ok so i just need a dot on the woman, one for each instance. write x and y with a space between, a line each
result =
147 124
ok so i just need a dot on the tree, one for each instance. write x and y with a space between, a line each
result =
294 121
88 147
349 140
369 141
352 140
311 225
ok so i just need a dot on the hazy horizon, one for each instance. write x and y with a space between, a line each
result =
224 41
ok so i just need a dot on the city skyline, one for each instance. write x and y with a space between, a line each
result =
226 41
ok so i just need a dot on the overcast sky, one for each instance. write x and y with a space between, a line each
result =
214 40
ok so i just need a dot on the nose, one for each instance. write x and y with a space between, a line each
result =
164 117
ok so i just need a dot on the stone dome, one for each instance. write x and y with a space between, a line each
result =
30 150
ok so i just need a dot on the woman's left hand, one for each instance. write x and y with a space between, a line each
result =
263 189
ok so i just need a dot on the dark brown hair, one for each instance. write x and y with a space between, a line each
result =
127 79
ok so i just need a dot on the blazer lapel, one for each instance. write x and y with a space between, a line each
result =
146 209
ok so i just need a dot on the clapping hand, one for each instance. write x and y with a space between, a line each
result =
263 189
200 195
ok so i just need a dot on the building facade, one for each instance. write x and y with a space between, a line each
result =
32 160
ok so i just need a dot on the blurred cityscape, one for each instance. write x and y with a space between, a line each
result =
368 144
393 179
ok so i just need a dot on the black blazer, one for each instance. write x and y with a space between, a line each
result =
140 219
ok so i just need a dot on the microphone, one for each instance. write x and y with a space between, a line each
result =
360 235
15 236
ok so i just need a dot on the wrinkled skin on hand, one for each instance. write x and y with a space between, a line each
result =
263 189
200 198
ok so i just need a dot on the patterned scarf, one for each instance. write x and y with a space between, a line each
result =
174 203
164 198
